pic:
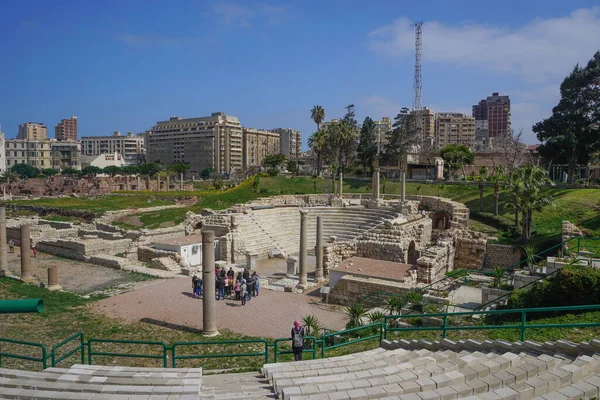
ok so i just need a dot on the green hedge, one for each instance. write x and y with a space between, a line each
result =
497 221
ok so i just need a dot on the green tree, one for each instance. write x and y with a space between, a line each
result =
149 169
483 175
292 166
571 134
317 113
499 179
69 171
499 273
530 252
25 171
273 161
367 146
457 156
340 145
91 171
206 173
49 172
355 314
401 139
256 183
130 170
350 117
112 170
317 142
179 168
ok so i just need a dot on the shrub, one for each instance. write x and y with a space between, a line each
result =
497 221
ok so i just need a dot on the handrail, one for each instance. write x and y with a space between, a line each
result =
43 359
276 353
109 354
324 346
81 347
524 286
522 326
175 357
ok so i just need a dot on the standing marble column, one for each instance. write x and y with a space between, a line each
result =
127 182
53 278
319 250
209 314
341 183
376 183
181 181
168 183
3 245
158 183
25 254
303 241
403 188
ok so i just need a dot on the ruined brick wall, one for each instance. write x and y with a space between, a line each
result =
458 211
82 249
334 253
349 289
147 254
501 255
435 261
470 250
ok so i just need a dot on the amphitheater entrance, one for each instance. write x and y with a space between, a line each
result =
413 254
441 220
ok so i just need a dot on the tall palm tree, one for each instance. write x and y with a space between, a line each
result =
316 142
318 115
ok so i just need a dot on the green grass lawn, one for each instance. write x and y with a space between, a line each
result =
102 204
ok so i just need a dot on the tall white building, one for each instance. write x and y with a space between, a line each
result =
290 142
131 147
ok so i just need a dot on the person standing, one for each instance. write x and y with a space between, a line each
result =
243 291
297 340
255 279
221 289
230 273
237 288
250 285
11 246
246 274
34 250
195 285
199 287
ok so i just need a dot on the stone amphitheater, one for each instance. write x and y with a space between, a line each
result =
430 234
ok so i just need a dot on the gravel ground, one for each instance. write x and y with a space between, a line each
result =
170 302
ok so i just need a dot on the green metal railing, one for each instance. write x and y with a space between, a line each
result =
589 244
80 347
43 359
312 348
176 357
325 338
444 328
91 352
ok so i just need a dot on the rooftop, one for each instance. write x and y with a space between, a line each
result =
374 268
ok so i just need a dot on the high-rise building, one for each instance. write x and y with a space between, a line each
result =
2 151
290 142
130 147
381 129
454 128
259 143
66 130
203 142
33 131
496 110
427 121
66 154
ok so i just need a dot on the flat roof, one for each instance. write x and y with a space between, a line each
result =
182 240
374 268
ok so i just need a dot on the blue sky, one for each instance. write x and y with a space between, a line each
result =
123 65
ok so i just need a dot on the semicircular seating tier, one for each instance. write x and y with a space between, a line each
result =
278 229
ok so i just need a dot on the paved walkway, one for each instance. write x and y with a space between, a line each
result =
271 314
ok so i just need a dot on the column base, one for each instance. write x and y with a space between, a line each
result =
54 288
210 334
27 279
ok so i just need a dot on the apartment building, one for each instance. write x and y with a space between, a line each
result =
496 110
259 143
290 142
203 142
2 151
454 128
427 117
33 131
381 129
43 154
131 147
66 130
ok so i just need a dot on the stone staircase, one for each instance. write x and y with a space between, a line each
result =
279 228
101 382
249 385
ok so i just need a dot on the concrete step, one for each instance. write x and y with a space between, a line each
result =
248 385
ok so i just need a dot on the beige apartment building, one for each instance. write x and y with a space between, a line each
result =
381 129
43 154
427 117
66 130
290 142
259 143
33 131
131 147
454 128
204 142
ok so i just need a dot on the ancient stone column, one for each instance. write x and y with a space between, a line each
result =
403 187
303 241
168 183
158 183
376 183
53 278
25 254
292 265
127 182
341 183
209 314
3 245
181 181
319 250
139 183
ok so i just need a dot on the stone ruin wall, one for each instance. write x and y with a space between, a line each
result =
459 212
435 261
146 254
470 248
501 255
83 249
351 288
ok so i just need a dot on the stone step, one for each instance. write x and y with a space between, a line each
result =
248 385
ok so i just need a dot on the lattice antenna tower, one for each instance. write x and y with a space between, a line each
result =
417 107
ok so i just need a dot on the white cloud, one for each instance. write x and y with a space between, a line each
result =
378 106
242 15
544 49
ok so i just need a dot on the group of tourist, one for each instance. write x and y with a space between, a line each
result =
244 285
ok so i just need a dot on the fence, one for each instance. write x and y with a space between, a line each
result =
329 341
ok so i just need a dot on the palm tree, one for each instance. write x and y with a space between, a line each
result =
483 173
317 143
355 314
499 272
530 251
311 325
318 115
393 304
